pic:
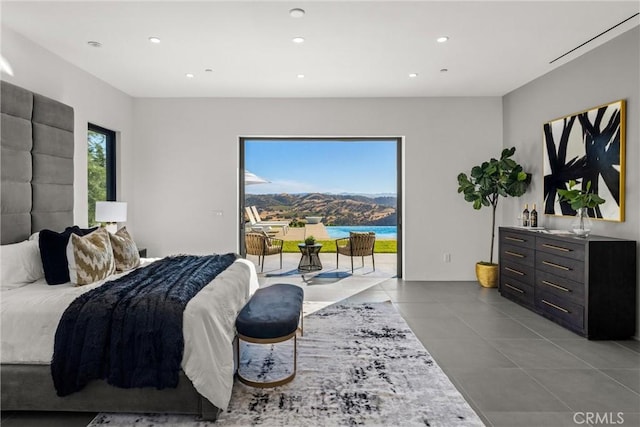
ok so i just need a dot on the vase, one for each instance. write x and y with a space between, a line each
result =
581 225
487 274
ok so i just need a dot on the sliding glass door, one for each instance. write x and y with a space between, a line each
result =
341 184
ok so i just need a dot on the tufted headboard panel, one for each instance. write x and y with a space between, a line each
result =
36 138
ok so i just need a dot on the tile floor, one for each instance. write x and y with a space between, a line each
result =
514 367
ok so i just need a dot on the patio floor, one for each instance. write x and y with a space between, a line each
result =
331 284
300 233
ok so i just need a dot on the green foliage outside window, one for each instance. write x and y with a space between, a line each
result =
97 172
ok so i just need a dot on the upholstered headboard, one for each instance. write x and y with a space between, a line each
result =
36 138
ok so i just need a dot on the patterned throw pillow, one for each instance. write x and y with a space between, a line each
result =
125 251
90 257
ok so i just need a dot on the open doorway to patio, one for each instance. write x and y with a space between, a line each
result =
294 188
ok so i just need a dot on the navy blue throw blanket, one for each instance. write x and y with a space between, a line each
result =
129 331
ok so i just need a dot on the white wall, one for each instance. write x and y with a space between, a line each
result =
607 73
186 158
40 71
178 158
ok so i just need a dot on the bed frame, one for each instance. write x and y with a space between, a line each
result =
37 193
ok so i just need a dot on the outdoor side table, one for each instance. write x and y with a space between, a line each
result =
310 260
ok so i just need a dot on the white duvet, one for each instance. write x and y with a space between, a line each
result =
30 316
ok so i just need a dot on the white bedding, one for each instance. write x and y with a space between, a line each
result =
30 316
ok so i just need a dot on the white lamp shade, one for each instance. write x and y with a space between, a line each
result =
111 211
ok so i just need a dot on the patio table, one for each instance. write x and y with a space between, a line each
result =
310 260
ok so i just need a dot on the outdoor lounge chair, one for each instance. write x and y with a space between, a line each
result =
256 215
255 223
261 245
357 244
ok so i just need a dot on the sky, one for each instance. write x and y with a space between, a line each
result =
322 166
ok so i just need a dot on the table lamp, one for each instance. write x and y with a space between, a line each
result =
110 213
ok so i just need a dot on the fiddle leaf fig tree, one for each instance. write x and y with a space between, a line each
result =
492 179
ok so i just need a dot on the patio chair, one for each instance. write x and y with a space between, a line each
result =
256 223
283 224
261 245
357 244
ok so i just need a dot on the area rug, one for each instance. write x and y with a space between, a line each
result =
358 364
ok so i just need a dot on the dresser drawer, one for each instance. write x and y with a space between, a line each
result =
565 311
564 267
560 286
526 240
518 254
520 272
516 290
561 248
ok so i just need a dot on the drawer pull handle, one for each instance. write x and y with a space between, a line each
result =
514 288
515 254
561 267
514 271
553 285
557 307
515 239
558 248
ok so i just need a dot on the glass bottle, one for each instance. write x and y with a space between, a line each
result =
533 217
525 215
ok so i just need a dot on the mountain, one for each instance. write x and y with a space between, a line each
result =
336 209
386 200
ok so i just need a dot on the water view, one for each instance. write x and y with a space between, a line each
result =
382 232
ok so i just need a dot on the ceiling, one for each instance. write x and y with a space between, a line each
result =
351 48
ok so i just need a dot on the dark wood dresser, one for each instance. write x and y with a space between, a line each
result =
587 285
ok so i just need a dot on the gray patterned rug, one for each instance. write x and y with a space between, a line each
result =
358 364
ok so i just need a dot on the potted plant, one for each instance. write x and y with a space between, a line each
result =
483 187
310 241
581 201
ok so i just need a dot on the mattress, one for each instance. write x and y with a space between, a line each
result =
30 316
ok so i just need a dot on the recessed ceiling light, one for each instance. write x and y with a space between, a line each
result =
444 70
94 43
209 70
190 75
296 13
298 40
154 40
301 76
442 39
412 75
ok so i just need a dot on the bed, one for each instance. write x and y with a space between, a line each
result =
37 193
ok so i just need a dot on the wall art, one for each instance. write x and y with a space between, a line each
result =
586 146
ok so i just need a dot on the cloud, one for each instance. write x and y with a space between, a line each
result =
290 186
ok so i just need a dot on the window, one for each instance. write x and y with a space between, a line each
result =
101 167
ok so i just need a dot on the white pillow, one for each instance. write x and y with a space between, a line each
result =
20 264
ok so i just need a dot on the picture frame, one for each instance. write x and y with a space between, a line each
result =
587 146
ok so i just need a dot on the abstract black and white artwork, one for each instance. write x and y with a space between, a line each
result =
586 147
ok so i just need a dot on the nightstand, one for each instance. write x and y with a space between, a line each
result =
142 252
